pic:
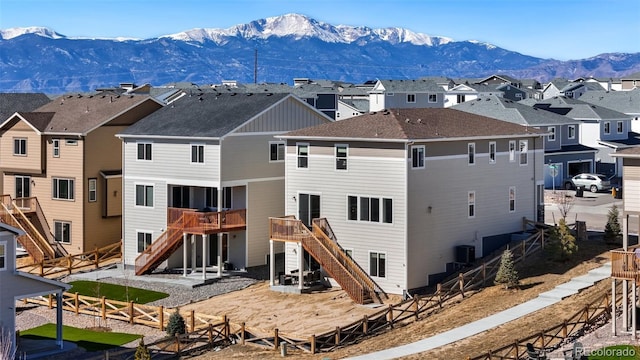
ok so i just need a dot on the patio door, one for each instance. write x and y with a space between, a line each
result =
23 186
309 209
180 197
213 249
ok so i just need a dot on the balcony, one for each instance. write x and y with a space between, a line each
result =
206 222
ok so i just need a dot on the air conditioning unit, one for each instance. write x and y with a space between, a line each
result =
465 254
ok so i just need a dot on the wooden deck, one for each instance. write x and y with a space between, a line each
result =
625 265
205 223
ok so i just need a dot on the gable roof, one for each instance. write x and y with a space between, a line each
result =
513 112
630 152
627 102
208 114
11 103
578 109
421 85
419 124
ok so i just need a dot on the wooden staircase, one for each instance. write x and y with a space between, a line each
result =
333 259
29 213
189 221
34 243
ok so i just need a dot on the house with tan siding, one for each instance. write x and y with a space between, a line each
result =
203 175
61 166
402 190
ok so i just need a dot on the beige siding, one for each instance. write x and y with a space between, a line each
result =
113 193
32 162
265 199
631 195
247 157
363 149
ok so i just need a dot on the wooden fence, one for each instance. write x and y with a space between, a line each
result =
61 266
595 313
416 308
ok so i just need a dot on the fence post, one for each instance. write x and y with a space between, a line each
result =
542 339
226 330
161 317
586 313
69 262
542 238
484 273
313 344
276 342
41 268
439 292
77 303
210 334
524 249
461 283
337 335
416 299
390 315
50 301
193 320
131 314
103 305
365 324
517 346
242 333
97 259
177 344
564 329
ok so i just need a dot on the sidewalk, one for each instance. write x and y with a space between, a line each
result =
543 300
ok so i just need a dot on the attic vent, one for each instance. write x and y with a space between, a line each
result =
419 121
407 120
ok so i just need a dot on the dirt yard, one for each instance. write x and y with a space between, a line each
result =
314 313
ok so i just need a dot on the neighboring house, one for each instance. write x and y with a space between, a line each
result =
626 102
500 79
608 84
564 156
554 88
468 92
405 94
62 165
403 189
515 93
216 153
601 128
17 285
569 89
351 108
631 81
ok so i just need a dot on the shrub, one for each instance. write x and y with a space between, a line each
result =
176 325
612 231
561 243
142 353
507 274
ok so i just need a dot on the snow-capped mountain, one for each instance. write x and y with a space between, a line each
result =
287 46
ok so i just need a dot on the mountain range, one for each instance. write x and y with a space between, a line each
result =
274 50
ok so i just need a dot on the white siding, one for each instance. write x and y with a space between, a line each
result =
381 177
265 200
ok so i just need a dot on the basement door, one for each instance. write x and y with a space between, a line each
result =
309 209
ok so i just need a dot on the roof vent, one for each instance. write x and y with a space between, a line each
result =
233 94
419 121
407 120
200 98
249 94
79 96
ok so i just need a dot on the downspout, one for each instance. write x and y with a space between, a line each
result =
406 222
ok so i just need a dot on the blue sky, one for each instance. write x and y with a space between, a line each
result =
560 29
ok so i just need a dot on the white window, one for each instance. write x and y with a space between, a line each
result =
417 157
71 142
20 146
93 190
276 151
433 98
512 199
460 98
3 255
519 96
56 147
378 264
607 127
62 231
619 127
512 150
571 129
63 189
411 98
144 195
144 151
341 156
372 209
303 156
197 154
471 196
144 240
471 151
552 133
524 152
492 152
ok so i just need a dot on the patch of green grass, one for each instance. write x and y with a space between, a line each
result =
87 339
115 292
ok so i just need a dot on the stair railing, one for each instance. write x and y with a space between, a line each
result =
30 245
34 233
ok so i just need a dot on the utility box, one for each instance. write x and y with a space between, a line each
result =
465 254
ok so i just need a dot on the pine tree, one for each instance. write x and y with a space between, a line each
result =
176 325
561 243
142 353
612 231
507 273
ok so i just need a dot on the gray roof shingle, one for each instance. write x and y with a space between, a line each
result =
11 103
627 102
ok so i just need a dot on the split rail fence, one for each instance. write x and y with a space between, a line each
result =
399 314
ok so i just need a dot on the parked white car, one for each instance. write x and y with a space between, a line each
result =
592 182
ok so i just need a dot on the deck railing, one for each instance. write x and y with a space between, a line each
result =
33 248
625 265
201 222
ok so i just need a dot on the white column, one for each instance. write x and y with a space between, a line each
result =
300 265
204 256
193 253
613 307
272 264
633 310
184 254
59 341
219 255
625 232
625 305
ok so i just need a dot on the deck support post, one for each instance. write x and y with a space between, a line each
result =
184 254
219 254
205 240
613 306
300 265
59 322
634 312
193 253
625 305
272 264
